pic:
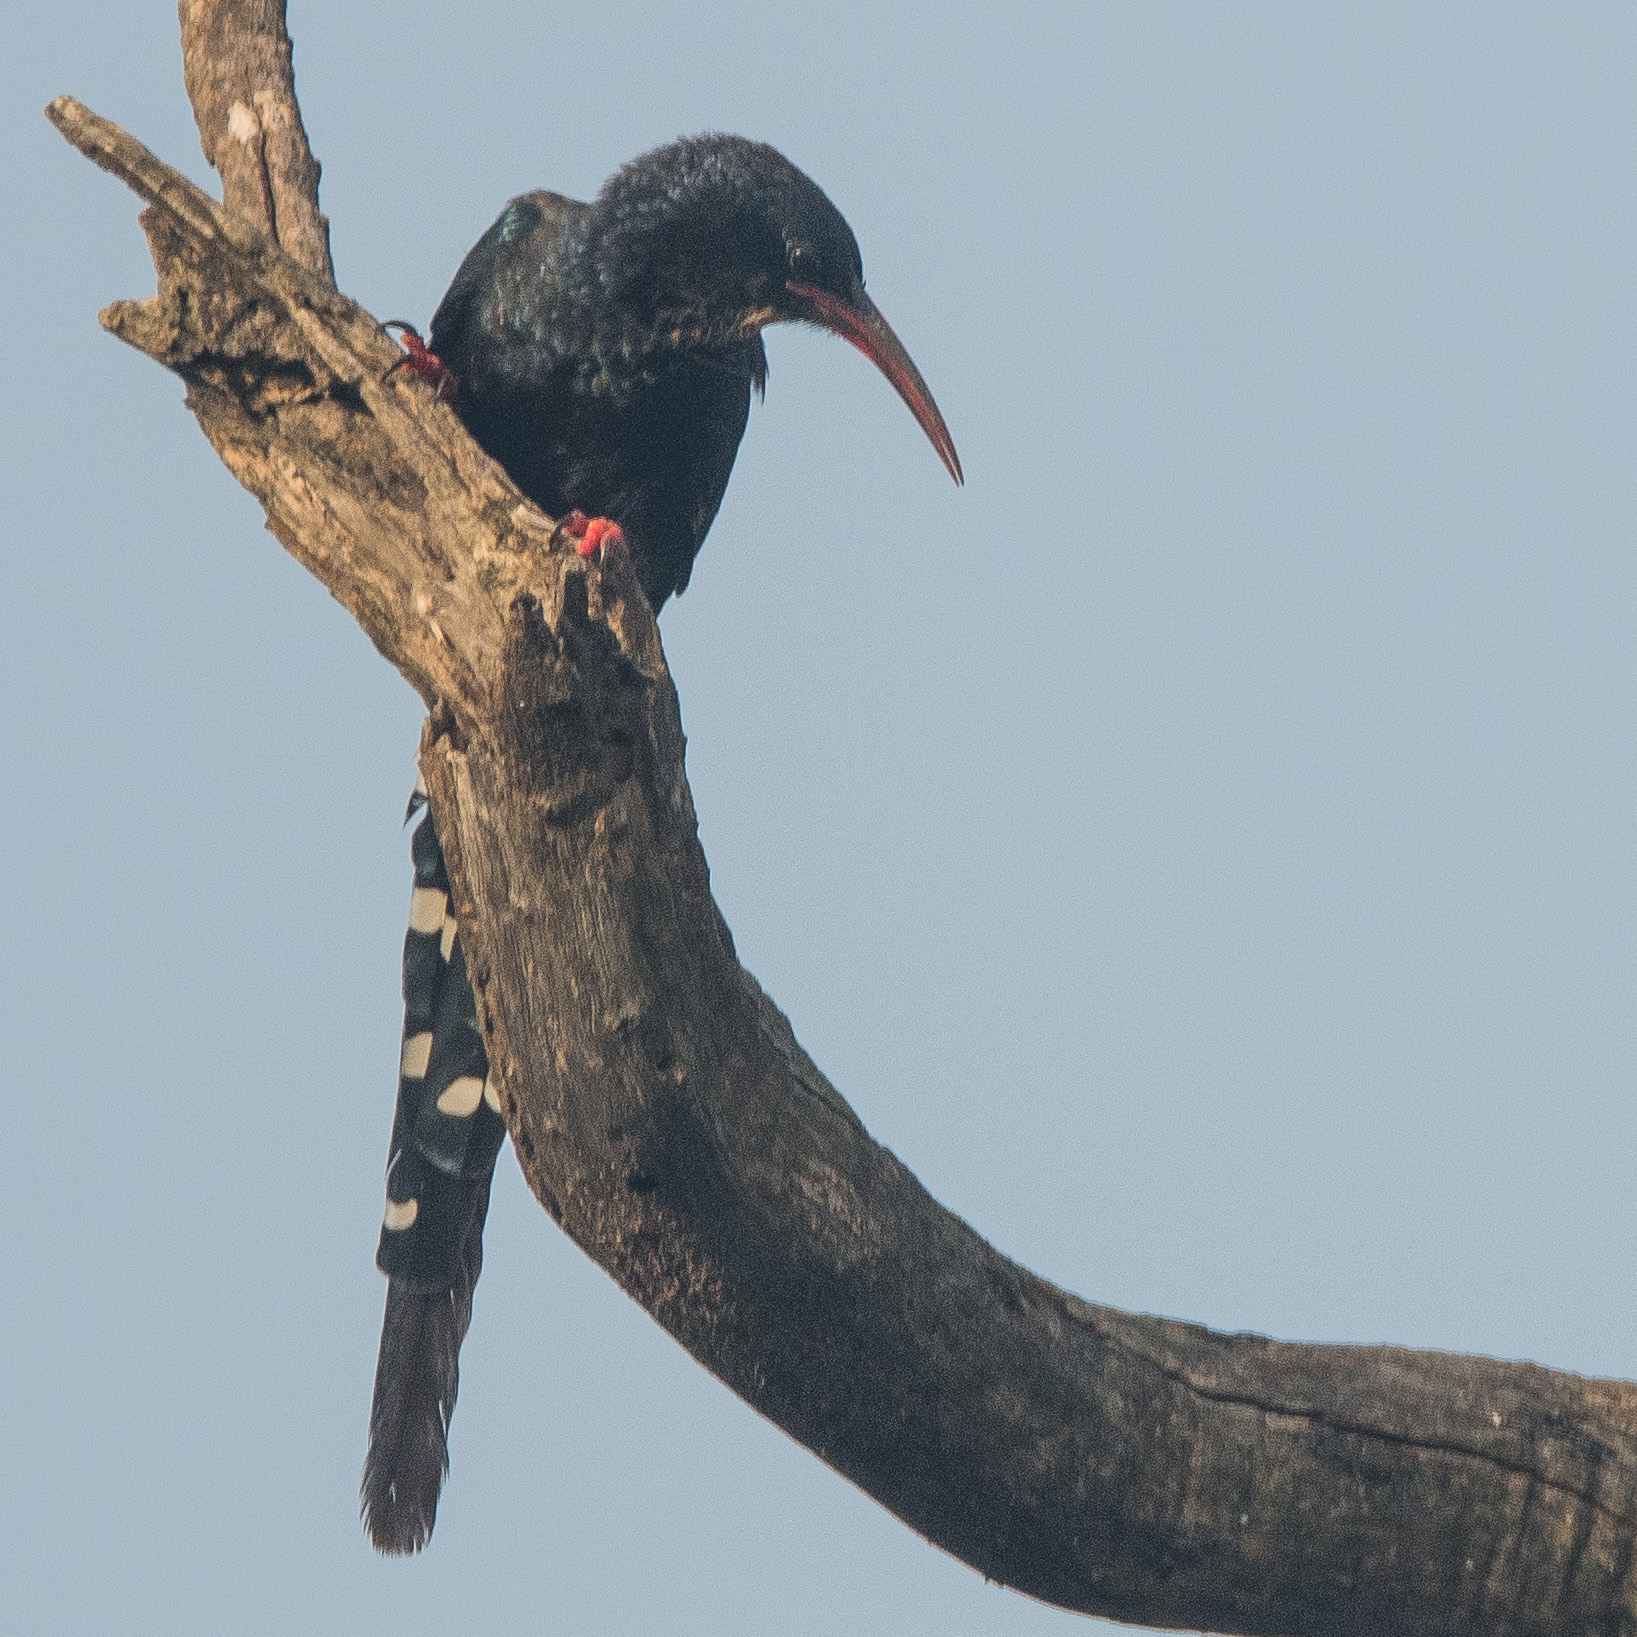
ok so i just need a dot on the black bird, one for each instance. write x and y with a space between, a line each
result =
604 354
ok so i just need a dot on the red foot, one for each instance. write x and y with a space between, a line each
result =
420 360
592 534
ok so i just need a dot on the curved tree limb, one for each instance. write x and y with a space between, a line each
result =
665 1115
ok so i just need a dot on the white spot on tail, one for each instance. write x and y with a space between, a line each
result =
417 1054
461 1097
450 928
427 908
490 1095
242 124
400 1216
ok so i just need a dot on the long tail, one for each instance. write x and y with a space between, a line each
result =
416 1378
446 1134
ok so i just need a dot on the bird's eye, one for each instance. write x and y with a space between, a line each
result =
803 260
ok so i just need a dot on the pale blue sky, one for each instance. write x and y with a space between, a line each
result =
1202 847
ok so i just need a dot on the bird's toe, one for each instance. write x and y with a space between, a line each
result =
592 536
420 360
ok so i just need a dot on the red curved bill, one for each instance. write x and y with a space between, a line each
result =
860 322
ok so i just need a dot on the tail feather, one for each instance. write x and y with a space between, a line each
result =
446 1135
416 1379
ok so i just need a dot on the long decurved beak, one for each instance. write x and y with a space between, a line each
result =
860 322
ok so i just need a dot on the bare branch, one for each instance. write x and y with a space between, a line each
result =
665 1115
236 60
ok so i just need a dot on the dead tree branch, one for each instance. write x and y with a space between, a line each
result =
236 60
664 1114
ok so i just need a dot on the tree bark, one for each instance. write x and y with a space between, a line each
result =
236 60
663 1112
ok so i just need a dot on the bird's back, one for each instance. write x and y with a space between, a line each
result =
577 404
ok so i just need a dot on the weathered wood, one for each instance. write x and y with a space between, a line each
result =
236 59
663 1112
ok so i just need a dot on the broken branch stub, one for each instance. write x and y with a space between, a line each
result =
237 62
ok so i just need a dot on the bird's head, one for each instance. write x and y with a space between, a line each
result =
713 238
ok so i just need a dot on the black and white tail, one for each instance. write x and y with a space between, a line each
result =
446 1134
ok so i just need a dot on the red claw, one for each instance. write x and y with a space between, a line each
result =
592 535
419 359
